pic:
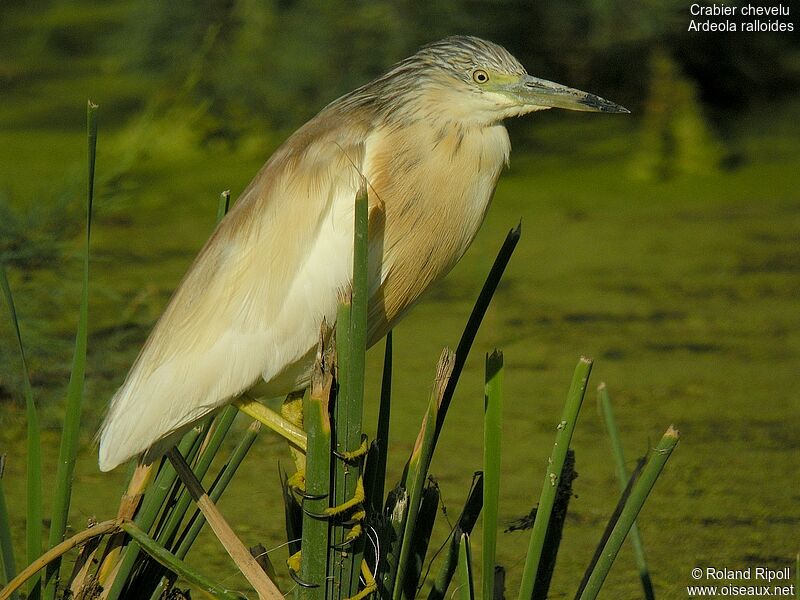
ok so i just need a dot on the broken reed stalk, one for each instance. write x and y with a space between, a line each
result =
466 588
315 542
418 464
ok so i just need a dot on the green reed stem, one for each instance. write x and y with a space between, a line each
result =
622 475
553 475
639 492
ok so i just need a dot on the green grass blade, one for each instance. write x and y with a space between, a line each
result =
375 476
8 565
552 477
622 475
466 588
33 516
492 434
417 467
72 418
171 562
639 492
315 543
466 521
476 318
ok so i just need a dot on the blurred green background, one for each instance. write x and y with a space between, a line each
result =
665 244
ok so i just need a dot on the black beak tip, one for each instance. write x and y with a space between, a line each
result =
602 105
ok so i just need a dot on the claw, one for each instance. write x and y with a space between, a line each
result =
351 537
297 483
294 566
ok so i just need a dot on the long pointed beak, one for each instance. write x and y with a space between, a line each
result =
540 92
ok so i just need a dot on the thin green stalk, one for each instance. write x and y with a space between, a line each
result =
622 475
33 516
8 566
476 318
146 517
492 434
553 475
466 521
315 543
171 504
466 588
218 488
171 562
196 523
178 505
417 467
72 418
222 425
641 489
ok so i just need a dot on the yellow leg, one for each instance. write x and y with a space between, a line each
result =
279 424
292 411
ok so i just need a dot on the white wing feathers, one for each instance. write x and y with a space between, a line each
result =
251 303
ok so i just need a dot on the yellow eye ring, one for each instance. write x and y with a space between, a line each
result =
480 76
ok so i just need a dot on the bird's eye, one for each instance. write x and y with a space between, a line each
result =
480 76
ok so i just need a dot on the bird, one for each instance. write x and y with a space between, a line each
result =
428 140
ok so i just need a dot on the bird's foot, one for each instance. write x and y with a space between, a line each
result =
351 455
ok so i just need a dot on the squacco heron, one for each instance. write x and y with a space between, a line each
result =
428 139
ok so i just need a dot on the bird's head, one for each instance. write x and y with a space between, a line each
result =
467 78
